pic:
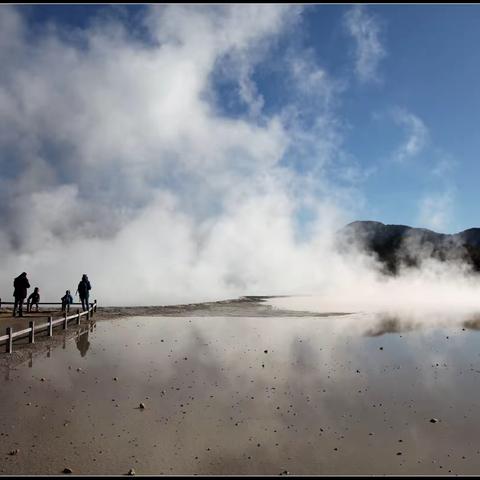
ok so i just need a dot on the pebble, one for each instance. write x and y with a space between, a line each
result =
141 406
67 470
14 452
131 472
433 420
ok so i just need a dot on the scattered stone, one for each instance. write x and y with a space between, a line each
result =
285 472
433 420
265 351
131 472
115 379
381 348
141 406
67 470
399 453
42 379
79 369
14 452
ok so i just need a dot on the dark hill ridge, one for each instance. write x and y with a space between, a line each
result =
397 245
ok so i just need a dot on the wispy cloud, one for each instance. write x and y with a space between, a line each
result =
436 210
369 51
444 167
416 131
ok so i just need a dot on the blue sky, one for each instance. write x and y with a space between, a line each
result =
426 78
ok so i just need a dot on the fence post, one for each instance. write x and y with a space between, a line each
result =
95 305
50 326
10 340
65 321
88 314
91 309
0 303
78 316
32 333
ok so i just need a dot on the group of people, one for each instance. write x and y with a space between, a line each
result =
21 285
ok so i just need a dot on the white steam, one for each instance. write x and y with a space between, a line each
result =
116 160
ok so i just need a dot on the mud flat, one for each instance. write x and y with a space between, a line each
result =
212 393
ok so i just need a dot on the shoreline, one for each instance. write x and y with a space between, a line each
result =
247 306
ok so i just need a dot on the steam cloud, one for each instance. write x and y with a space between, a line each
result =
117 160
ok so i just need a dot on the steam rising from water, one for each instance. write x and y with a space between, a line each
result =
117 161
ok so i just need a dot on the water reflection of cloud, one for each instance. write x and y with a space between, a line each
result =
210 385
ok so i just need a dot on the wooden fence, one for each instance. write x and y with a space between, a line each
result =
30 332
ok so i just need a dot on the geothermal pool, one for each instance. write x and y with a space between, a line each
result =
235 395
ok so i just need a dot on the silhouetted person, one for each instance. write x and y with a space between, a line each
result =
83 290
83 343
33 299
20 284
67 300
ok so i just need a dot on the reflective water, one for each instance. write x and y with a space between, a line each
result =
250 395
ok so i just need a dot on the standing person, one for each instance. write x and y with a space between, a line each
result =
83 290
20 284
33 299
67 300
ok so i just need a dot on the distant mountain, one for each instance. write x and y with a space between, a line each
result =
397 245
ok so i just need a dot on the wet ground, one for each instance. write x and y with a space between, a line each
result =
247 395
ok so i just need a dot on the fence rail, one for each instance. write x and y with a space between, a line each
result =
11 336
39 303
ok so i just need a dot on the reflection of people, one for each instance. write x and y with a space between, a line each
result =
20 284
83 343
83 290
67 300
33 299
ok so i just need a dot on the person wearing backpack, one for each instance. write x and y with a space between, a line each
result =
20 285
